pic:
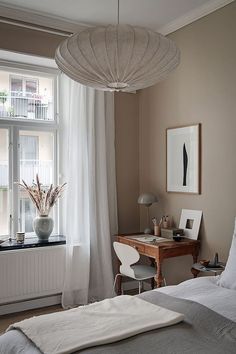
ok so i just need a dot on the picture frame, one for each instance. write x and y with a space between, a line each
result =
190 222
183 159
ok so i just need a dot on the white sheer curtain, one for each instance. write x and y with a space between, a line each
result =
89 215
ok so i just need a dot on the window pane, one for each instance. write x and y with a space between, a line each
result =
4 183
31 86
29 148
36 157
16 85
26 97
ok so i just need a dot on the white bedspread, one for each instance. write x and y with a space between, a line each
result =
205 291
99 323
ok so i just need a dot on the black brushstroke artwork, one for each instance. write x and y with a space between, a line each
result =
185 165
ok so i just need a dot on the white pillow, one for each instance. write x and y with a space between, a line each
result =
228 276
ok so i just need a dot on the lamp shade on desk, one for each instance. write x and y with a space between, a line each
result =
147 199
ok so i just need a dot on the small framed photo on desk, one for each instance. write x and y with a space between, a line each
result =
190 222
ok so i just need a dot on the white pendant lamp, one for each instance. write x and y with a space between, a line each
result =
117 57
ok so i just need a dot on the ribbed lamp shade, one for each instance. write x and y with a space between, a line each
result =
117 57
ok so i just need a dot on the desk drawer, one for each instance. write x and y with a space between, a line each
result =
139 248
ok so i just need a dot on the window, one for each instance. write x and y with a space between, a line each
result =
4 182
26 97
36 157
28 143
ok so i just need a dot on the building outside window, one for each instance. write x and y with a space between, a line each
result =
28 142
25 96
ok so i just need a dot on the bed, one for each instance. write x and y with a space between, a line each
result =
205 291
209 326
202 301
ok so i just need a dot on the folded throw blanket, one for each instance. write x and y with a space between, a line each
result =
99 323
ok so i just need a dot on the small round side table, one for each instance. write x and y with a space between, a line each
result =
197 268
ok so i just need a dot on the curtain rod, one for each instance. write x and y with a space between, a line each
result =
34 27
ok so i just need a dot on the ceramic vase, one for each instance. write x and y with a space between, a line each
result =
43 226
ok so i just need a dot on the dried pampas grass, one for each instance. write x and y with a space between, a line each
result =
43 199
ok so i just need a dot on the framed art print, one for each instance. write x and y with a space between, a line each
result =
183 159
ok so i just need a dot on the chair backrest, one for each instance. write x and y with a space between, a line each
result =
127 255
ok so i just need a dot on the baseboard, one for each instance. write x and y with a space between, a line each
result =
7 309
30 304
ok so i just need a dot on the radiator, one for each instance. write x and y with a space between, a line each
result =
31 273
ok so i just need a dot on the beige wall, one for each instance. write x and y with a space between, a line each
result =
202 90
127 160
23 40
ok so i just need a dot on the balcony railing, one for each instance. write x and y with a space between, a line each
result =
15 104
28 171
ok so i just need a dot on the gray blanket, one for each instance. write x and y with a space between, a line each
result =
202 332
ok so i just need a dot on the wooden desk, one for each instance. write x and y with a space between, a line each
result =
161 250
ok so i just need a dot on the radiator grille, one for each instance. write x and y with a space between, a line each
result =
31 273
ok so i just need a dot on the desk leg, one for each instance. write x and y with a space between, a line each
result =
119 280
152 260
195 256
159 277
195 272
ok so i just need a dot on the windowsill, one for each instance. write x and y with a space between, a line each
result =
33 242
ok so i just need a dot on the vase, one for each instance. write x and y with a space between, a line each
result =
43 226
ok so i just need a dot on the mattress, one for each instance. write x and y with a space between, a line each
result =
205 291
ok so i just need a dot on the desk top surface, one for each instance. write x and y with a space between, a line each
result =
167 243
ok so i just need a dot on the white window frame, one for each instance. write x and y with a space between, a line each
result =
14 125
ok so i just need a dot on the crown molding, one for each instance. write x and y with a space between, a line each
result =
23 15
51 22
193 15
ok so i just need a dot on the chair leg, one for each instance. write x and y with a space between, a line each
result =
140 283
114 285
153 283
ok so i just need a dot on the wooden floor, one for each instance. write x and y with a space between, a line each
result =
6 320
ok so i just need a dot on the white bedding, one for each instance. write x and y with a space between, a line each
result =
202 290
105 320
205 291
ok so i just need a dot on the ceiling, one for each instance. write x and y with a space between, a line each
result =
162 15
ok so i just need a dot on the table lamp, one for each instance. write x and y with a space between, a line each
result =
147 199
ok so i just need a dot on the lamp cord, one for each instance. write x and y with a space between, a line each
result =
118 12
